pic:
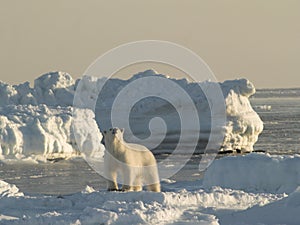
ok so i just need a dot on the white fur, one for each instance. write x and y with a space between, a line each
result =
135 163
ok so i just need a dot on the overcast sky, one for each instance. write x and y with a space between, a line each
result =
255 39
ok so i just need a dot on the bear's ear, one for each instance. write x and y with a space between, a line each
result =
122 130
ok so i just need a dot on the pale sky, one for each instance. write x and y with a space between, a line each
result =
255 39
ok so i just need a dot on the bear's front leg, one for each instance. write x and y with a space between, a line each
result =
126 188
110 173
112 186
112 181
127 178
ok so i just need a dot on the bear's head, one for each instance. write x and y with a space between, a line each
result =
112 135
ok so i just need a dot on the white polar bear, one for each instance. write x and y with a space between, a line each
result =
135 163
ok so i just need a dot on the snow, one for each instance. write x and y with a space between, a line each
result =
285 211
29 130
181 202
193 206
264 107
243 123
52 89
255 172
241 129
38 120
9 190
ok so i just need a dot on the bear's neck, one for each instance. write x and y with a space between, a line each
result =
117 146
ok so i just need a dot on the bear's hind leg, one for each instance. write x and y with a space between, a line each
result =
137 188
137 182
154 187
132 179
152 179
135 185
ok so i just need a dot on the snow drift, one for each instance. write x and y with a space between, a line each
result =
262 178
255 172
184 206
38 120
284 211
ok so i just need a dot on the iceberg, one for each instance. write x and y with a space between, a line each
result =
51 89
38 120
9 190
243 123
27 130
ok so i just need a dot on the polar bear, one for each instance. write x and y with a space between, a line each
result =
135 163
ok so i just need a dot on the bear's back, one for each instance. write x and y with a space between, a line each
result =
141 152
136 147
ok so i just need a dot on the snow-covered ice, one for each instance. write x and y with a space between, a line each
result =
264 107
41 121
9 190
38 120
100 207
255 172
181 202
52 89
284 211
33 130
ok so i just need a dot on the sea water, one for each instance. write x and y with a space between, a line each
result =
280 113
281 117
72 176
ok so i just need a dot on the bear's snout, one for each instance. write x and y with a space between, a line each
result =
114 131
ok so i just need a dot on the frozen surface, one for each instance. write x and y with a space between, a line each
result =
255 172
52 89
37 121
243 123
9 190
181 202
240 131
278 93
285 211
33 131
